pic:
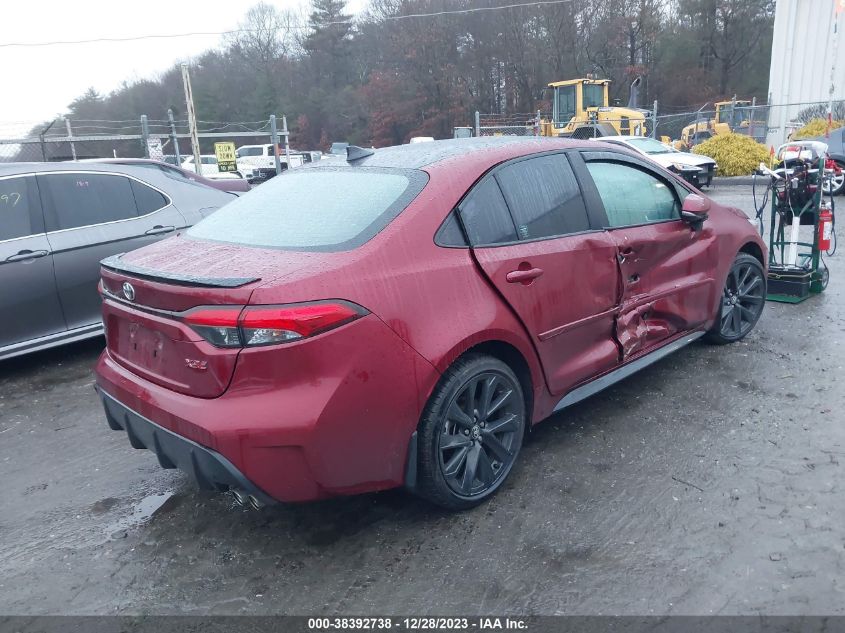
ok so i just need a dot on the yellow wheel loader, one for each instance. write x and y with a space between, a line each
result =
731 116
581 109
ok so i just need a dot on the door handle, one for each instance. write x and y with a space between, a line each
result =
523 276
24 255
158 229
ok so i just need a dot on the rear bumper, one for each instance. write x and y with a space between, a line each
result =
341 427
209 469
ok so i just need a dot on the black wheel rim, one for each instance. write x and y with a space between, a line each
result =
481 434
742 300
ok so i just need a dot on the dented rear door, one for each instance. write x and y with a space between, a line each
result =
531 237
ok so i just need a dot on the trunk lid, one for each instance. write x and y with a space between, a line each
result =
147 293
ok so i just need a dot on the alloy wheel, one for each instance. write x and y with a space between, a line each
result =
481 433
742 300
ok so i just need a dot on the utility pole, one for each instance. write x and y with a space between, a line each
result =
192 119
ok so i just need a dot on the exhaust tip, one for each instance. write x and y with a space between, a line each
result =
240 497
254 503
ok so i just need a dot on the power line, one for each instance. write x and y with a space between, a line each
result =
160 36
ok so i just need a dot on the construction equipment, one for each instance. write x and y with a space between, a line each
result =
581 109
730 116
796 185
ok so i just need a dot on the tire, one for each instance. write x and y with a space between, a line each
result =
838 184
456 432
743 298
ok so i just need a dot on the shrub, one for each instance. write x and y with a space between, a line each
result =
815 127
735 154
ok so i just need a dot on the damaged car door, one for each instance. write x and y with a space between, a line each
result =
666 264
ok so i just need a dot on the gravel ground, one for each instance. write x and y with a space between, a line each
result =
709 483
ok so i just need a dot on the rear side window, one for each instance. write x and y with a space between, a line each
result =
315 208
147 199
544 197
74 200
633 196
19 208
485 215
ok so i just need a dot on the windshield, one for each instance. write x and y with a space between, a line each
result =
593 96
315 209
565 100
650 146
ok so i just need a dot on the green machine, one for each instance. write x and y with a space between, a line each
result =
797 186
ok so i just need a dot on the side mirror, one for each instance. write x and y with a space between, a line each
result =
695 208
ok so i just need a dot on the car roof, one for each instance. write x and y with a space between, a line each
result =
9 169
481 149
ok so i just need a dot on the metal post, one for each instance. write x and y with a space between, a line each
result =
274 139
654 120
192 119
751 118
477 123
41 136
538 128
733 114
287 144
70 138
173 136
145 135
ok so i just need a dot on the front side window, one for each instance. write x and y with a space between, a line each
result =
83 199
632 196
249 151
316 209
543 197
18 208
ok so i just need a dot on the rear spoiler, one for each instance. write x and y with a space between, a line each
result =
116 263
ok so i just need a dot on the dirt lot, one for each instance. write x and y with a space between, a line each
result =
711 482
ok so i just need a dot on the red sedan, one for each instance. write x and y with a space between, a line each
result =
404 316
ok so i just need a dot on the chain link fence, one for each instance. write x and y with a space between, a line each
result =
65 139
771 125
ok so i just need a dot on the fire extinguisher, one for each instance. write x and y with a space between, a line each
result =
825 227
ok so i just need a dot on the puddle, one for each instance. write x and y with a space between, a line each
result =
143 512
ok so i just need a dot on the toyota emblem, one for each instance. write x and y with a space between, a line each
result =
128 291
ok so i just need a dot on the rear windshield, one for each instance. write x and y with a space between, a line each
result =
320 209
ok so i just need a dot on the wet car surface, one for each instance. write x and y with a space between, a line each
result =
710 482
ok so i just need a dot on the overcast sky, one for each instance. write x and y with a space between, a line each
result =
39 83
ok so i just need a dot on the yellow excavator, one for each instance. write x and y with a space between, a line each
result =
730 116
581 109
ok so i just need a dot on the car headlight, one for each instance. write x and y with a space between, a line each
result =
682 167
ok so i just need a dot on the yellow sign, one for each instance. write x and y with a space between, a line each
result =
226 159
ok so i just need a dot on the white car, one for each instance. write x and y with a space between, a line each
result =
694 168
209 168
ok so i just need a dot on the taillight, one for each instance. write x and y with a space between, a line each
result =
218 326
246 326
